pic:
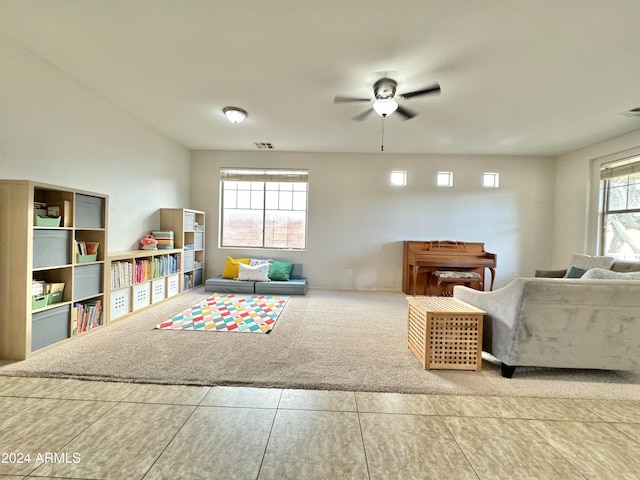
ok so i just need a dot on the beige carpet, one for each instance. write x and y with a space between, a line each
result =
334 340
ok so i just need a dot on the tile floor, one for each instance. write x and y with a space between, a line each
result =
89 430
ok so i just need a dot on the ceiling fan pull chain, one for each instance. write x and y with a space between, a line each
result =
382 141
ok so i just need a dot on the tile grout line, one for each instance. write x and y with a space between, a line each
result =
364 447
195 407
266 445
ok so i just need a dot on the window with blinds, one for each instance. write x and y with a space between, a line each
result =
620 221
263 208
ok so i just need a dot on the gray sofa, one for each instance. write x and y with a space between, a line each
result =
562 322
296 285
617 266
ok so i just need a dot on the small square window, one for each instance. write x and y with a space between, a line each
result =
491 180
444 179
399 178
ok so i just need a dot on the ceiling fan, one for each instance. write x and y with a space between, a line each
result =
385 100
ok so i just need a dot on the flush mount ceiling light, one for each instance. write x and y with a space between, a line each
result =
385 106
234 114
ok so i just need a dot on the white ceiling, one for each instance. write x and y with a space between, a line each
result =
531 77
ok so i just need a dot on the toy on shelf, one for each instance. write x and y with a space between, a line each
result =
149 243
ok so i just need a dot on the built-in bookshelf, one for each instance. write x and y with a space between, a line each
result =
142 278
45 280
189 230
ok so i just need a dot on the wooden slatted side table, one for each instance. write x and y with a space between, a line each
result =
445 333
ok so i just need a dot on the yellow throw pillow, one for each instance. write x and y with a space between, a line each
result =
231 268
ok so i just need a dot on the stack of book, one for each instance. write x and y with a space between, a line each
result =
121 275
85 316
165 265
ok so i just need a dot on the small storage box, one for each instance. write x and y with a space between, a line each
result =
87 281
141 295
158 290
173 285
86 258
50 326
89 211
51 248
164 238
120 302
39 221
39 301
55 297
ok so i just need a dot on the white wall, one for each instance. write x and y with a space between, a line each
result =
358 220
576 195
53 129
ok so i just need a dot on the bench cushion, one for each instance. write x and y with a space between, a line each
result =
295 286
225 285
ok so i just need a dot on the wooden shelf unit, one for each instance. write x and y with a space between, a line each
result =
47 253
130 293
189 234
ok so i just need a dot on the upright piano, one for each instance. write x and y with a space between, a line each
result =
421 259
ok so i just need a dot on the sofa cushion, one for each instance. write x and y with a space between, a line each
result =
626 266
280 271
604 274
586 262
225 285
256 273
231 268
295 286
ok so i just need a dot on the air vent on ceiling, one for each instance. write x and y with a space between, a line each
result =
634 112
264 145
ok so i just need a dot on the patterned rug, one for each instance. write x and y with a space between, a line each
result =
230 313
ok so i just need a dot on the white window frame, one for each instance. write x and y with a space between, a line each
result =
491 180
251 178
444 179
398 178
609 173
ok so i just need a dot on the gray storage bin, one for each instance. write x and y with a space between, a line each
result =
87 280
51 248
188 261
197 277
89 211
50 326
189 221
198 241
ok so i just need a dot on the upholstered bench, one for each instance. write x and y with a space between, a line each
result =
296 285
469 279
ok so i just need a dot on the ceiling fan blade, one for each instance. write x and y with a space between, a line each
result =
406 113
363 115
344 99
433 89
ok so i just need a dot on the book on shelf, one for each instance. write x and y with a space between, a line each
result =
86 315
86 248
121 275
125 273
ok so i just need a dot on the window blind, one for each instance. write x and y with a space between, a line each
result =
263 175
621 168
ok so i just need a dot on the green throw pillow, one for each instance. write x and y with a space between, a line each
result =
280 271
575 272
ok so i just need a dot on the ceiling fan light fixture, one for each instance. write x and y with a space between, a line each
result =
234 114
385 106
